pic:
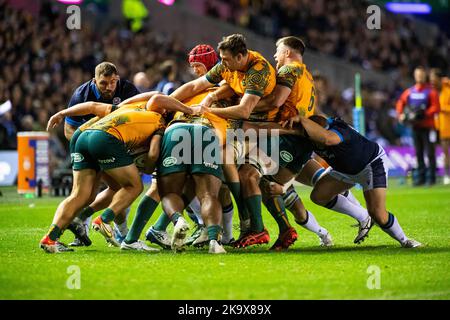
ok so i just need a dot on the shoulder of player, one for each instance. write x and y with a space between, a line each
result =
126 86
257 61
83 89
292 68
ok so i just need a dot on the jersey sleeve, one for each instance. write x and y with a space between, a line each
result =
257 79
215 75
288 75
76 98
341 131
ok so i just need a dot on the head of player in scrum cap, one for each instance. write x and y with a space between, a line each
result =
233 52
106 78
289 49
202 58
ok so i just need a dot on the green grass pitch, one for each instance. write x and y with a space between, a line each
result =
306 271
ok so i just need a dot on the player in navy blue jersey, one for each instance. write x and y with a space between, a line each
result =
354 159
106 87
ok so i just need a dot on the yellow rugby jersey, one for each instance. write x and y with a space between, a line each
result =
259 79
219 124
301 101
132 124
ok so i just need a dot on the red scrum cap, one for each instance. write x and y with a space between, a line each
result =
203 53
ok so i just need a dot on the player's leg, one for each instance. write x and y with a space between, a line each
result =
157 233
207 188
250 178
227 214
305 218
328 193
376 204
66 211
375 195
314 170
170 188
131 187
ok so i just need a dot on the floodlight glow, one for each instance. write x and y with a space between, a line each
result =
70 1
417 8
167 2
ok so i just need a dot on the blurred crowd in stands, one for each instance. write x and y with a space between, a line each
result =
339 28
42 63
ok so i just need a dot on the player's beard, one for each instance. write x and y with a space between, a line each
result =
107 94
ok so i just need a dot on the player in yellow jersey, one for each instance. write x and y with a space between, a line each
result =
106 146
442 84
295 94
251 77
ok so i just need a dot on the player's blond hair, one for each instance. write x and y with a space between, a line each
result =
294 43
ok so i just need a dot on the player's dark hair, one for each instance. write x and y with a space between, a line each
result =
294 43
106 69
234 43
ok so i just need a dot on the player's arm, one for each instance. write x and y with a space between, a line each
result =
319 134
191 88
81 109
161 103
223 92
246 125
240 111
274 100
145 96
153 154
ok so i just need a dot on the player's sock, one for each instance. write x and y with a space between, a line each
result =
191 214
253 204
87 223
392 228
174 218
195 213
122 228
235 189
144 212
343 205
312 225
227 222
54 232
108 215
290 197
275 206
86 213
351 197
162 223
213 232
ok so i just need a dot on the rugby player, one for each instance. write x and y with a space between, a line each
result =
105 87
106 146
334 140
251 77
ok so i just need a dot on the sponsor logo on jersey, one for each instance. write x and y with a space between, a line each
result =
76 157
110 160
170 161
286 156
210 165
